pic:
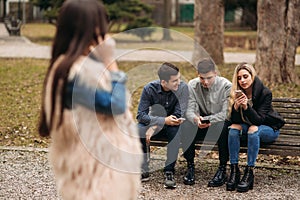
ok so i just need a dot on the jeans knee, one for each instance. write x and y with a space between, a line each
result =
233 132
253 135
252 129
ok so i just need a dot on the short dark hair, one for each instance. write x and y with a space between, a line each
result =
206 65
167 70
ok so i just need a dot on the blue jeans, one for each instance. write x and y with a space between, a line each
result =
263 134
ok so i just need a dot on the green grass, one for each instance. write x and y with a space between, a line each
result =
21 86
43 34
250 34
40 33
21 82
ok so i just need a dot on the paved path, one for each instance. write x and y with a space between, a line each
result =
16 47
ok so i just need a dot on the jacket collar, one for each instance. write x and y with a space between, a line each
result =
257 88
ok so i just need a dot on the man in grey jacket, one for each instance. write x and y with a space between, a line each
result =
206 114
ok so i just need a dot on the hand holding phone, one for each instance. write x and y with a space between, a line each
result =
181 119
172 120
205 121
238 93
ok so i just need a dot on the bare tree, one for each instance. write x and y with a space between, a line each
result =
209 29
277 40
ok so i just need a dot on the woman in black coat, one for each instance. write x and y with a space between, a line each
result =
252 115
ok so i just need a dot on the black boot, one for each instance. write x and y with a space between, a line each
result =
234 178
189 178
220 177
247 180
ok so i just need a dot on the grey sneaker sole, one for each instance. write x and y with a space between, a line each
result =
169 186
145 179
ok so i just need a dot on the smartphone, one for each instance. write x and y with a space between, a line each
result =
238 93
181 119
205 121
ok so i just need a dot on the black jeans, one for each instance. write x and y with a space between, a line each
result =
173 136
216 133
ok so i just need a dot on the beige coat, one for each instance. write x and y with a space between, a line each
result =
94 156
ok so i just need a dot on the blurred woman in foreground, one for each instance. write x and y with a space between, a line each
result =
95 152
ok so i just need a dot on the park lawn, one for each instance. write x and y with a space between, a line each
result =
43 33
40 33
46 31
21 82
21 85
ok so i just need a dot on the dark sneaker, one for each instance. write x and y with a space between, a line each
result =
189 178
145 176
169 180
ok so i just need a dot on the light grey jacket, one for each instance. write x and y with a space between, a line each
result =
209 103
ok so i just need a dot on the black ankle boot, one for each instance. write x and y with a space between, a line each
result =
247 180
220 177
234 178
189 178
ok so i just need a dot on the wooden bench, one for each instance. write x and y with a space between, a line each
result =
13 26
288 142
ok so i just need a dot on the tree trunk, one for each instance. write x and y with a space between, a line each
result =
166 21
177 12
277 40
209 30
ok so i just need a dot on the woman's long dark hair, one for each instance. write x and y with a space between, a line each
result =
76 30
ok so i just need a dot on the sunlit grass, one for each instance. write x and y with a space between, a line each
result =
249 34
41 33
20 83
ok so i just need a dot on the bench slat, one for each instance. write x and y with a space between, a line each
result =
284 100
290 115
282 111
289 105
290 127
290 137
282 152
283 142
